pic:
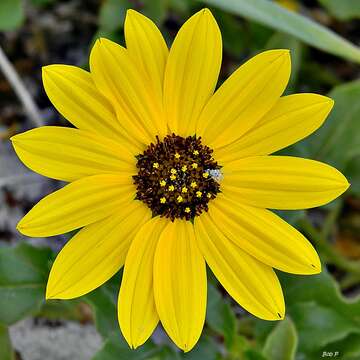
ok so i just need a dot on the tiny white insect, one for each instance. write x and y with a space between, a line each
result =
216 174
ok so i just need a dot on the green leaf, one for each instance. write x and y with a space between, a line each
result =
337 142
319 326
103 300
275 16
282 341
155 10
348 348
205 349
343 9
322 289
6 351
11 14
283 41
220 316
320 313
115 348
23 275
112 14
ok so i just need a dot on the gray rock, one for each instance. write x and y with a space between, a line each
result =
67 341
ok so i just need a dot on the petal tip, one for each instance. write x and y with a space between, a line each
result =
132 13
316 268
21 227
14 139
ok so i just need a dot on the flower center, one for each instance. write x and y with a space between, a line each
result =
177 177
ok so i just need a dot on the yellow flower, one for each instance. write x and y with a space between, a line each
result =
119 109
171 188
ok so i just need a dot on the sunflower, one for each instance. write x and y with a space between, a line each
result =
167 175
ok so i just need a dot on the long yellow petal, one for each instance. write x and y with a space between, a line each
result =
251 283
147 48
77 204
136 309
244 98
192 71
180 284
291 119
129 90
282 182
265 236
74 94
69 154
95 253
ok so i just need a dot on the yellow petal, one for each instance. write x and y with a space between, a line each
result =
282 182
180 284
244 98
129 90
251 283
70 154
77 204
147 48
265 236
74 94
192 71
136 309
291 119
95 253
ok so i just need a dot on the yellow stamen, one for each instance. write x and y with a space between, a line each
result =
162 183
195 152
172 177
208 195
163 200
179 199
187 210
155 165
173 171
194 165
198 194
184 168
177 156
205 175
184 189
193 184
171 188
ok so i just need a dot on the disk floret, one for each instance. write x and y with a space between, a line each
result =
174 177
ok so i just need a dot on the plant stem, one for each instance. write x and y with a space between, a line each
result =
23 94
327 250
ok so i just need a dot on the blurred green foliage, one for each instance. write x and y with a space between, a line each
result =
344 9
11 14
319 319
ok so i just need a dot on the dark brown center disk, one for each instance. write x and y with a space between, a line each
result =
177 177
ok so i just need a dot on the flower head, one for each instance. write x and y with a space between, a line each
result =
149 125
